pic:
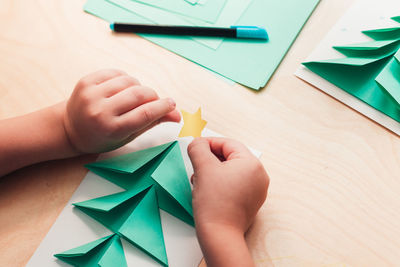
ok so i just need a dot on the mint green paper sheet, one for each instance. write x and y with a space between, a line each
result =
209 11
371 72
250 63
153 178
104 252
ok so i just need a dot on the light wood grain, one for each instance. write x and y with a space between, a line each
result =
335 175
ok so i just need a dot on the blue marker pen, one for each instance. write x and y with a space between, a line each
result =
243 32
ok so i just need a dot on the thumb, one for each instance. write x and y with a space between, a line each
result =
200 154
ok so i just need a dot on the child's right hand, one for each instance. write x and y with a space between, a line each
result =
108 109
229 184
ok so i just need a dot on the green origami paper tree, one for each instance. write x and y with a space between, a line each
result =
152 178
103 252
370 71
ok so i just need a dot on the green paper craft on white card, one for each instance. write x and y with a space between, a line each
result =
153 179
370 72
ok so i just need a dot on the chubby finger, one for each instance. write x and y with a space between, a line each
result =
228 149
166 118
100 76
200 154
173 116
145 115
130 98
115 85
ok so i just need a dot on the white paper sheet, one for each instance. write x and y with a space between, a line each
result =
74 228
363 15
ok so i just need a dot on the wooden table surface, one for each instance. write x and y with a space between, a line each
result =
335 175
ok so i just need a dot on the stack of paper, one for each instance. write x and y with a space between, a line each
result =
248 62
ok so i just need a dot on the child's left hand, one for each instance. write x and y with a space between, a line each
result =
109 109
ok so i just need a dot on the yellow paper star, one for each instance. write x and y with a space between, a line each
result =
193 124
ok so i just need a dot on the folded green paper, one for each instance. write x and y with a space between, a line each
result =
370 72
153 178
104 252
248 62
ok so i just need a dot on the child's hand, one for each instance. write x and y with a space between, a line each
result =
109 109
230 184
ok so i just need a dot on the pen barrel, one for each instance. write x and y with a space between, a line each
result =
175 30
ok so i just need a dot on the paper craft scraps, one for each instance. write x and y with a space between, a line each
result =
370 71
193 124
153 178
250 63
104 252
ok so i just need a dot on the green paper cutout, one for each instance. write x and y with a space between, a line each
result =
389 78
371 72
207 12
104 252
131 214
258 58
113 210
161 166
370 49
153 178
163 174
143 227
397 19
348 61
130 162
384 34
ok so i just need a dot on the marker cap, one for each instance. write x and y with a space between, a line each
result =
254 32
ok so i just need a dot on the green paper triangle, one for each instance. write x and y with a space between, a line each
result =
113 214
106 203
84 249
373 49
167 203
143 228
361 83
115 255
123 180
347 61
389 78
132 161
397 18
105 252
384 34
171 176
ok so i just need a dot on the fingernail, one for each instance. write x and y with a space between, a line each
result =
172 102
